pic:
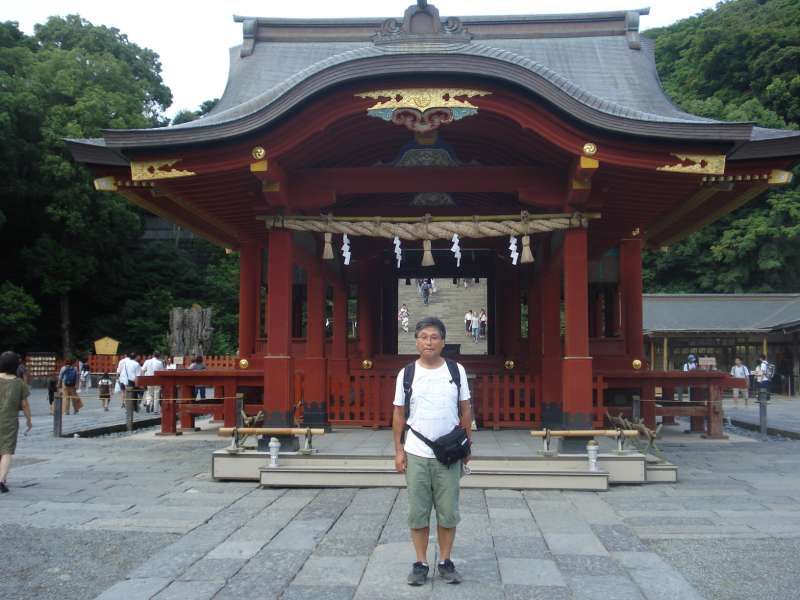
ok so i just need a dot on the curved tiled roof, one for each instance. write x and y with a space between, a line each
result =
592 66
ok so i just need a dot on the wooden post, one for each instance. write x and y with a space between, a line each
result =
550 327
535 324
316 377
665 357
616 312
278 364
366 315
510 312
338 361
630 274
248 297
576 371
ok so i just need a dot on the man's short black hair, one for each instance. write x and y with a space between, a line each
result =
430 322
9 361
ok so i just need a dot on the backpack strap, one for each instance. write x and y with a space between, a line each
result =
455 375
408 379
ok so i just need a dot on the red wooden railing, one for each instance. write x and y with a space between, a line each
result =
505 400
361 399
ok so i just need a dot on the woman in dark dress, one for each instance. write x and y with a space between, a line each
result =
14 394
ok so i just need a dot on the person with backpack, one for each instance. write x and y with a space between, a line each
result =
68 378
432 410
764 372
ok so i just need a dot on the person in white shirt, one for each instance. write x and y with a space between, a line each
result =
128 370
742 372
152 395
468 322
438 403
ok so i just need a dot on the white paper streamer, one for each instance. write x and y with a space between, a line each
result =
398 252
456 249
512 246
346 249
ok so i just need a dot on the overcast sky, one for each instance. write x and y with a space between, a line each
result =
193 38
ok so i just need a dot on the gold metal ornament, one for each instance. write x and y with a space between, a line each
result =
509 364
366 364
244 363
145 170
636 364
701 164
422 98
590 149
258 152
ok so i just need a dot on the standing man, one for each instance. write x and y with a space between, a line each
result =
742 372
152 395
764 372
438 398
68 378
128 370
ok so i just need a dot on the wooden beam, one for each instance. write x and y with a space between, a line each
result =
274 181
579 185
664 222
721 211
370 180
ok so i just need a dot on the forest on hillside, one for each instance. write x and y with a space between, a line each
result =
75 267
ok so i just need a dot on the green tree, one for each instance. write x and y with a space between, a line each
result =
18 314
738 62
184 116
70 79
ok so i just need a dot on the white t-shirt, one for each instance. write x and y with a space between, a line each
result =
740 371
434 406
151 365
128 371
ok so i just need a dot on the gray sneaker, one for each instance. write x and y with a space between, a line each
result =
447 571
419 574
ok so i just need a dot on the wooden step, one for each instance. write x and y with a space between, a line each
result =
288 475
624 468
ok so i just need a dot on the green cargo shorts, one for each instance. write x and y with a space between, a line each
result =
431 484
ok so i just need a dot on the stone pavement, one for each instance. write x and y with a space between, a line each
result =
139 517
783 413
91 416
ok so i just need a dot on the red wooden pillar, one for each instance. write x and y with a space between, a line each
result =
576 368
616 312
366 314
249 258
510 311
550 326
316 377
278 364
337 364
535 323
630 276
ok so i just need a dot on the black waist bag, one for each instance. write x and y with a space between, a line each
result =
450 448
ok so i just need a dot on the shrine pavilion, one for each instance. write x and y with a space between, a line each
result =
536 153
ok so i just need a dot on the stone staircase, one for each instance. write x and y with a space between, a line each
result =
449 303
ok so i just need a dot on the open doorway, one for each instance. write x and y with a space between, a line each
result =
461 303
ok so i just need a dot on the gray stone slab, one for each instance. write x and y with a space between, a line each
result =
236 550
530 571
301 534
618 587
528 592
128 589
190 590
619 538
213 569
345 546
515 528
574 543
578 564
520 547
333 570
318 592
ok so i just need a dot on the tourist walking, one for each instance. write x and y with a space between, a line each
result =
483 321
198 365
402 317
104 390
68 379
152 395
14 394
476 326
431 406
86 377
764 372
127 372
468 322
426 292
740 371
